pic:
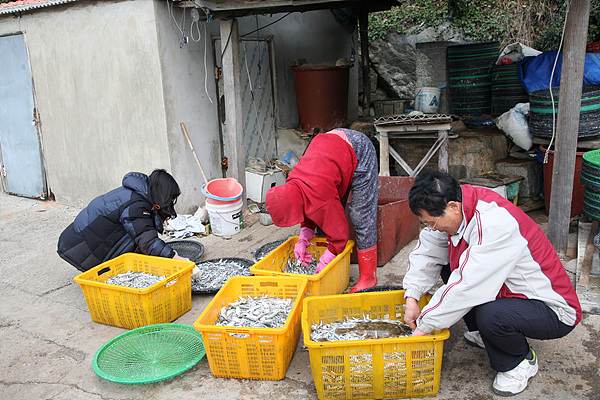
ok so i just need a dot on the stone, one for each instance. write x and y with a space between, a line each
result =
400 68
395 64
530 170
265 219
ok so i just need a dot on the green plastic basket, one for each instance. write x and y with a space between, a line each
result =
149 354
592 158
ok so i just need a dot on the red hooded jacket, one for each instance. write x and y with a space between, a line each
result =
313 191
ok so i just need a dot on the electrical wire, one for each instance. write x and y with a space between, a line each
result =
260 132
258 39
173 20
180 27
205 70
251 32
183 40
562 36
269 24
227 42
197 29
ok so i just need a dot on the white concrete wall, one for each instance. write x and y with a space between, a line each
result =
112 86
98 90
315 36
188 92
189 97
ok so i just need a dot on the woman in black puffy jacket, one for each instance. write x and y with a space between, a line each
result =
124 220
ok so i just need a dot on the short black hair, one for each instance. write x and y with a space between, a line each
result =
432 191
164 191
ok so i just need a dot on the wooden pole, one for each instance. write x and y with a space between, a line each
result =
569 103
384 154
232 87
193 151
363 20
586 264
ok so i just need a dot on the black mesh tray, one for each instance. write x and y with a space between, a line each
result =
189 249
265 249
380 289
244 262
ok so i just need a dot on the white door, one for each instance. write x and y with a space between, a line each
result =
22 167
257 98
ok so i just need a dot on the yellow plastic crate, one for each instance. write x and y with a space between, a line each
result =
131 308
262 353
388 368
333 279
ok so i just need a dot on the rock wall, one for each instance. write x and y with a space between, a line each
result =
402 63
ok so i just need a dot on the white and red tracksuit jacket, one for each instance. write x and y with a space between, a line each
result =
500 252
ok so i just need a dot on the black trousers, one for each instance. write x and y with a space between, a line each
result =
506 323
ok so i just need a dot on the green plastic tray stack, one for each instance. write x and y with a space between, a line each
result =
590 179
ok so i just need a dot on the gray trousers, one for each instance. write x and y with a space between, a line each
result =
364 187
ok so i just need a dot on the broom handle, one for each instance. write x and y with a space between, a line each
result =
193 151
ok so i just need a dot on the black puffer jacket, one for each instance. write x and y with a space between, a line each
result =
120 221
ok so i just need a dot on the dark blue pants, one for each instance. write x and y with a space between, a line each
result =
506 323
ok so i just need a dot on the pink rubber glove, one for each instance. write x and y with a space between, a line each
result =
300 251
325 259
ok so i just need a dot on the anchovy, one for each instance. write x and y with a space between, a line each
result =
296 267
358 329
135 279
290 265
213 275
256 312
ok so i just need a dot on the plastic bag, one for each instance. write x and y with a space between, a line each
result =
514 124
290 158
256 164
517 51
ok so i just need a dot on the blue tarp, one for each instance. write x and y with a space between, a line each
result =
534 72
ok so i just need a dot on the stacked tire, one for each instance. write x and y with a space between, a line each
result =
542 109
507 89
590 179
470 77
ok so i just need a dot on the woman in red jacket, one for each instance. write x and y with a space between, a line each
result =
335 163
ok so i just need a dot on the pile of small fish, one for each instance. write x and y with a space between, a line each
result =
213 275
256 312
296 267
135 279
359 329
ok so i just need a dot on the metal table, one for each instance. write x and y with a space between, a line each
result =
435 126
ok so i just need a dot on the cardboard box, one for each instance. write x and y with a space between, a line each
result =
258 183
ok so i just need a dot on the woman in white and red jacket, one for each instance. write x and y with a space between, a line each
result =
334 163
501 274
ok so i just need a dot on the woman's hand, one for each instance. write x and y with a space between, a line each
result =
412 312
178 257
195 271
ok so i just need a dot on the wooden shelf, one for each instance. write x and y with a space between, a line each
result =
592 144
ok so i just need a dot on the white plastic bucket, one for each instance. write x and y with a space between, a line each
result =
225 218
427 100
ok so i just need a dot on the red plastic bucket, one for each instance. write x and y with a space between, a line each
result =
222 191
322 96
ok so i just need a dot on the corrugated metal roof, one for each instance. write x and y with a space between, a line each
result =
26 5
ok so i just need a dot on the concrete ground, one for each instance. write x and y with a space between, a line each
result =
49 340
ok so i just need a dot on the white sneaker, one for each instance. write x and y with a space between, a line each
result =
474 339
514 381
